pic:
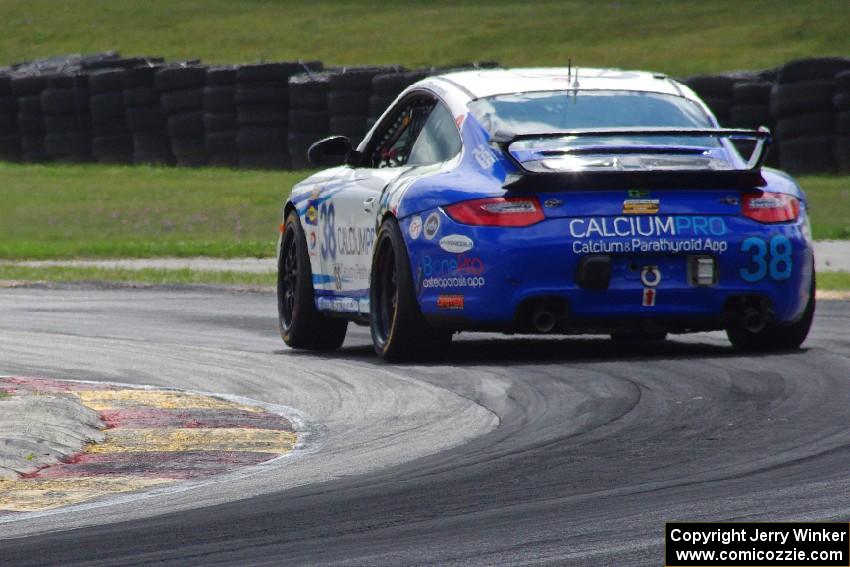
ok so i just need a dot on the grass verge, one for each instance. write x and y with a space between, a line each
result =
67 211
834 281
94 211
148 275
713 36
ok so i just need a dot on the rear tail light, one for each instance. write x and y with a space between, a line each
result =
497 211
771 207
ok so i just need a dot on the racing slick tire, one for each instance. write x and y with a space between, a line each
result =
774 336
301 325
399 331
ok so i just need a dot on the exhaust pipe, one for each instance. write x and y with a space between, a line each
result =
754 320
543 320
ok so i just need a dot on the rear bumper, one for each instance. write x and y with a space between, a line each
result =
508 269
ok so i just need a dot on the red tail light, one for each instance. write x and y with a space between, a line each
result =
497 211
771 207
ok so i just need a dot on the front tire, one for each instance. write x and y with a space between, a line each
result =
399 331
774 336
301 324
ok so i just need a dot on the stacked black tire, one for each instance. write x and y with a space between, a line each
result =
145 118
802 102
309 119
262 100
67 118
751 109
220 117
717 91
10 142
112 142
386 87
28 91
348 100
841 104
182 100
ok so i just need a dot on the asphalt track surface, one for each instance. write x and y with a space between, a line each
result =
515 451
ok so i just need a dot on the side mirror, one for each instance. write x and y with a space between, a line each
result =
329 152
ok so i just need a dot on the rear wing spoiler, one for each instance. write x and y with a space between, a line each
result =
747 178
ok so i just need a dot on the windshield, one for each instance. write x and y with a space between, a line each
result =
552 111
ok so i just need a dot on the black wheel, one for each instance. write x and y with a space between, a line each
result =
635 338
301 324
399 331
775 337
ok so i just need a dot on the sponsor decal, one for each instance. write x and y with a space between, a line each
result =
457 271
552 203
638 193
662 245
345 274
649 297
312 242
312 215
641 206
351 241
484 156
432 225
456 243
342 304
415 228
461 264
692 234
650 276
453 302
611 227
455 281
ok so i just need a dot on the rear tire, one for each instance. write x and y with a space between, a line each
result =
399 331
301 324
774 336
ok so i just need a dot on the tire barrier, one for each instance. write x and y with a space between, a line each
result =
802 102
65 104
144 117
10 140
220 117
181 96
841 105
112 141
262 103
114 109
31 128
309 119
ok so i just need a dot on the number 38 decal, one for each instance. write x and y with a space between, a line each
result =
768 258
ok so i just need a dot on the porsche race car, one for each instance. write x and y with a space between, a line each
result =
556 200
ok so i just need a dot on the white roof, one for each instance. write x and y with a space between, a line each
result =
479 83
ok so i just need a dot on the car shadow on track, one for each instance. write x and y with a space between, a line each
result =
525 350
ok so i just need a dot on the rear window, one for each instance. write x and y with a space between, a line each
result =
551 111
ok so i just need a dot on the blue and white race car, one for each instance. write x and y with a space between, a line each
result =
545 201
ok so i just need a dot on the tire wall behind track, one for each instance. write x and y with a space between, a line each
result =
114 109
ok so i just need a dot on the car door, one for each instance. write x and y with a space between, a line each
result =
348 220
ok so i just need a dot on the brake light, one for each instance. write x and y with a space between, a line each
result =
771 207
497 211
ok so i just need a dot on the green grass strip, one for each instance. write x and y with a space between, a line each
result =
834 281
679 38
146 275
